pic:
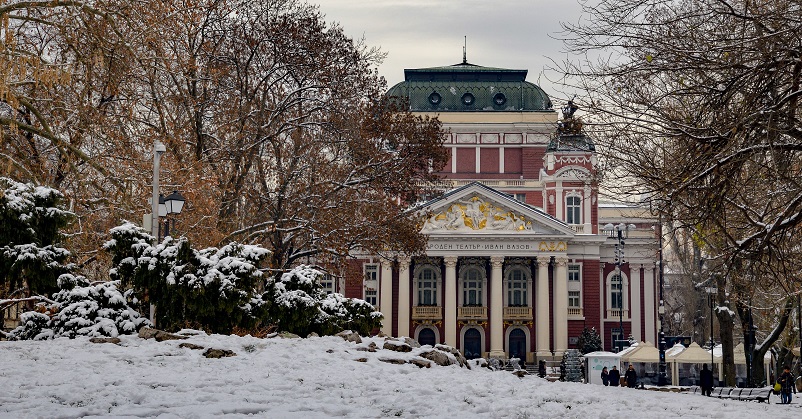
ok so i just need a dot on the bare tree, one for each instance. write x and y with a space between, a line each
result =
697 102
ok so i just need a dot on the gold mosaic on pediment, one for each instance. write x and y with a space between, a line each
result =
476 214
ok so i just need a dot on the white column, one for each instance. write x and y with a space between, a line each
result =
453 159
586 207
634 309
559 202
404 303
542 317
560 305
496 308
478 157
649 308
450 308
386 303
501 159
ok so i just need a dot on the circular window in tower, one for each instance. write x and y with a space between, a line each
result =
468 99
499 99
435 98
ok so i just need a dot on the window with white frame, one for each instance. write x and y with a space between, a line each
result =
371 272
573 210
574 273
327 283
371 284
427 282
472 288
517 288
616 292
573 299
371 297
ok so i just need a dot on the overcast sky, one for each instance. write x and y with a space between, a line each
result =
517 34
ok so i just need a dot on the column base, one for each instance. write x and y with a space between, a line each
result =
559 354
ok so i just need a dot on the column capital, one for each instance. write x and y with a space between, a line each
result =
451 261
543 263
404 260
561 261
386 264
496 261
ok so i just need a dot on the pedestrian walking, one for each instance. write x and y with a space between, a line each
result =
631 377
605 376
706 380
615 376
786 381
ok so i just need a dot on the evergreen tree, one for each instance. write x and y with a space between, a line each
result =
589 341
30 224
81 309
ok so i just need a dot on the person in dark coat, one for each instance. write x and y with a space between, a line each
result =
541 369
631 376
706 380
786 381
615 376
605 376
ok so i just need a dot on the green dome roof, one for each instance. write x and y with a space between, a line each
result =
467 87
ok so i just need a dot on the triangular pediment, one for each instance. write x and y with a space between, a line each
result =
479 209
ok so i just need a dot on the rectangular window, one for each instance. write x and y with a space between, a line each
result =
371 284
573 299
573 210
371 272
327 283
370 297
617 338
574 273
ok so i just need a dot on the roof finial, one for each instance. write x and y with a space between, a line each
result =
464 48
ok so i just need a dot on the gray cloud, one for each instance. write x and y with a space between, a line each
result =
516 34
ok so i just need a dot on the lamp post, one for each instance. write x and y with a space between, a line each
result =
619 232
749 347
661 365
158 150
711 293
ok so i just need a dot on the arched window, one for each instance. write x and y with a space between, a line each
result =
616 292
472 288
427 337
573 210
517 288
427 285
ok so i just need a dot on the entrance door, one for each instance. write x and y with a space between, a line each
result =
473 344
426 337
518 344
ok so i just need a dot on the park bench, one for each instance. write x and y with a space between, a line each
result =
757 394
735 393
694 390
721 392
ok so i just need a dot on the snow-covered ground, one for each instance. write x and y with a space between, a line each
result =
306 378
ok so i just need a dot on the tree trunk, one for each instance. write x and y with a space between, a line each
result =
758 371
726 324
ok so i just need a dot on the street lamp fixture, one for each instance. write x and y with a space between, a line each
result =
174 203
619 232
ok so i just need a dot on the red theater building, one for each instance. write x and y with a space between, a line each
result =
518 260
